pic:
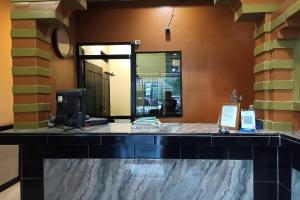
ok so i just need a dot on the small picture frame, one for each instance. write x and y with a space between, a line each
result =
229 116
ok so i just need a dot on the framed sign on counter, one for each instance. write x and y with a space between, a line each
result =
248 120
229 116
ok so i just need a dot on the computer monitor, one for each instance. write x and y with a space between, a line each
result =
70 107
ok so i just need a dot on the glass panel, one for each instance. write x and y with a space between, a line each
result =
108 85
105 50
158 84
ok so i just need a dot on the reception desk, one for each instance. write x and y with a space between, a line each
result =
172 161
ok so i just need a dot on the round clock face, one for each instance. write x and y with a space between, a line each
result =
61 43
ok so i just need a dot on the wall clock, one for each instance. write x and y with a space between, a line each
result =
61 42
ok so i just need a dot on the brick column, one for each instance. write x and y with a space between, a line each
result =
277 64
31 74
274 78
31 55
276 83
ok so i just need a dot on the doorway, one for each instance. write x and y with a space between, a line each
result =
107 72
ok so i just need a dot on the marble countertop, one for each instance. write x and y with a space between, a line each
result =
292 135
128 128
165 133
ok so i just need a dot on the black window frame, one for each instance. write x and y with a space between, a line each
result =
132 57
177 115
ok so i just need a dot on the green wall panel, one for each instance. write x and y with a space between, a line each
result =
273 105
274 44
31 71
31 89
274 85
277 105
30 125
252 11
268 27
37 107
30 52
49 16
278 126
274 64
30 33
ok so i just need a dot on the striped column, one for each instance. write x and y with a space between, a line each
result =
31 74
277 59
31 55
275 81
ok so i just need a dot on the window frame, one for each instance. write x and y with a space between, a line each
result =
132 57
175 115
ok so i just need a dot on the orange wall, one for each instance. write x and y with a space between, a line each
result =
63 70
6 100
217 54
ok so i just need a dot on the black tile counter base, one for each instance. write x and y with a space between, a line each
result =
273 154
150 147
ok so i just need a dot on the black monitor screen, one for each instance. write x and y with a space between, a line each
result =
70 107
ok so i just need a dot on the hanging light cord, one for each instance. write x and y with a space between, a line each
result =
173 14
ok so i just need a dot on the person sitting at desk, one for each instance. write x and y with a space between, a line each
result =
170 104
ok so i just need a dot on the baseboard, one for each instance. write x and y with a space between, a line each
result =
9 184
5 128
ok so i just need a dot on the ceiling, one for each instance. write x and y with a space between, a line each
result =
200 2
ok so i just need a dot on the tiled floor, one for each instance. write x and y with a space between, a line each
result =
12 193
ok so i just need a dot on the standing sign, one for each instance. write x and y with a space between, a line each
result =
230 116
248 120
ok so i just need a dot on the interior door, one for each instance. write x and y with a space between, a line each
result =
93 85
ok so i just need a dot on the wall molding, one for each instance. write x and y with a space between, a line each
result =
51 15
274 44
270 26
71 4
30 125
274 85
273 64
31 71
222 2
277 105
30 33
5 128
252 12
277 126
10 183
76 4
31 89
36 107
30 52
